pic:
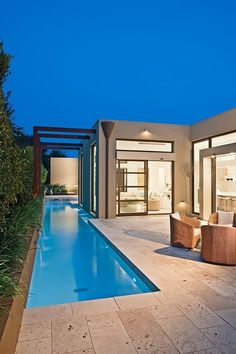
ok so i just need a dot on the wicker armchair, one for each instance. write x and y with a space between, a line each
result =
213 219
218 244
185 232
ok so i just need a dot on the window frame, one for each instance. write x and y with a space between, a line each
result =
209 139
81 178
93 206
148 141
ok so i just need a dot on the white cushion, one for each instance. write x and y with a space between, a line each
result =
226 218
221 225
196 231
176 216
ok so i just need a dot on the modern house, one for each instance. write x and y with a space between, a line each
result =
140 168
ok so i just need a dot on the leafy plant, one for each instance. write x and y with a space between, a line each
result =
14 243
56 189
10 166
20 213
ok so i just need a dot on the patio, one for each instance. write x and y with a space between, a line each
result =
195 311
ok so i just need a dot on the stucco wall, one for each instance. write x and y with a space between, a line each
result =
64 170
219 124
86 152
180 134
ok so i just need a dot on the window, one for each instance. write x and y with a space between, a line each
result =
143 187
144 145
197 147
81 178
159 187
224 139
131 187
93 179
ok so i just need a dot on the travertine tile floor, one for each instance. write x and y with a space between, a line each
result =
195 311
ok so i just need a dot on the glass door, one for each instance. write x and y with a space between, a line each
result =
160 187
225 191
131 187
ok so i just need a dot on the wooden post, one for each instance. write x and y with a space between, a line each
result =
37 163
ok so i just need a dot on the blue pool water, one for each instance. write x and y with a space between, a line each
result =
74 262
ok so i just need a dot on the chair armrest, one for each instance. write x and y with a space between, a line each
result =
181 226
191 221
213 219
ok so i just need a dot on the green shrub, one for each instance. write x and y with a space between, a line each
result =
11 183
56 189
14 243
20 213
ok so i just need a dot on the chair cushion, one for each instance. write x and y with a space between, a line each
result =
225 218
197 232
176 216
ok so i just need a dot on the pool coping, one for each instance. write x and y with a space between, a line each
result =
151 285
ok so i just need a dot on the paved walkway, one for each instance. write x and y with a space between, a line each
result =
195 311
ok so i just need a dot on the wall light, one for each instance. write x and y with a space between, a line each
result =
145 131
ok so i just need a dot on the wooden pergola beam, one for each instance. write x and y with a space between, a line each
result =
38 146
64 136
61 144
65 130
59 148
37 163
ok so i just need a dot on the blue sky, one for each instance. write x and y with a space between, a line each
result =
161 61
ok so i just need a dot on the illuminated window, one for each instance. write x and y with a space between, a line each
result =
224 139
93 179
197 147
144 145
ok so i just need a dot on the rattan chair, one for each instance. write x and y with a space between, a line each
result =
213 219
218 244
184 233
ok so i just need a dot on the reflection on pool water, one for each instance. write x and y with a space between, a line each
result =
74 262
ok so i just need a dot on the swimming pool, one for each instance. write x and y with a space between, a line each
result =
74 262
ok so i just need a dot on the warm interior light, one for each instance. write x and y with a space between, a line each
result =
182 207
146 132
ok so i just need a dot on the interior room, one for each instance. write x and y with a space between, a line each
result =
226 182
144 187
159 187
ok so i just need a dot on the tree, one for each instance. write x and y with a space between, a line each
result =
16 163
21 138
10 165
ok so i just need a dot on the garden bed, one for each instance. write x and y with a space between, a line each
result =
11 322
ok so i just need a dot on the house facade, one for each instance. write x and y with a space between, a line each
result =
150 168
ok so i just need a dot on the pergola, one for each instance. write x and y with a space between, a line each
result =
54 133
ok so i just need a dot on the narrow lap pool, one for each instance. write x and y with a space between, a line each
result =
74 262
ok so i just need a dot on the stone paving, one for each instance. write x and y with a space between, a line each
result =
195 311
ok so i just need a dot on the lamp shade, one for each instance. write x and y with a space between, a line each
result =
107 128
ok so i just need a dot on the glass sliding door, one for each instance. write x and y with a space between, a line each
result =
159 187
225 190
81 178
197 147
131 187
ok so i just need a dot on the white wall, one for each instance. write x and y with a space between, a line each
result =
64 170
180 134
